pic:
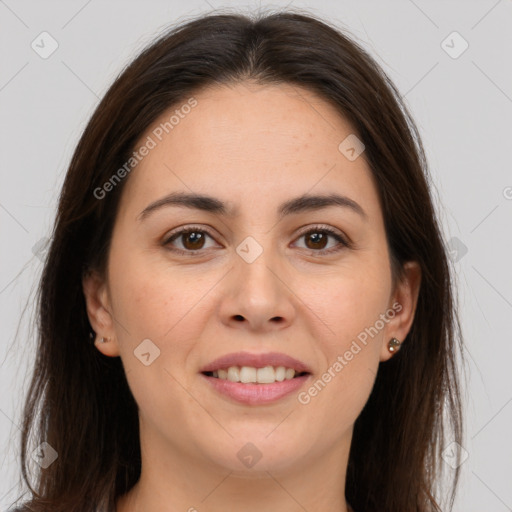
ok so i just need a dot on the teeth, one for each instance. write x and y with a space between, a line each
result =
249 374
233 374
266 375
280 373
289 374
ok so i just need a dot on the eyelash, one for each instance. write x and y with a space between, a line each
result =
343 243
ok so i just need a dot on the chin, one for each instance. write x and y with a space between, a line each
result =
254 454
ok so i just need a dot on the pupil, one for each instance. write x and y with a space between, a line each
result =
194 236
318 237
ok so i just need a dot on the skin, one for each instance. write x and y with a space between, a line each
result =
253 147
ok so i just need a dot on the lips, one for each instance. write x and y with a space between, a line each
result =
241 359
221 376
256 394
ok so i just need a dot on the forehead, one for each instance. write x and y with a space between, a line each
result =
248 143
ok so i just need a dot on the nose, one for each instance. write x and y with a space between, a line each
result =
257 295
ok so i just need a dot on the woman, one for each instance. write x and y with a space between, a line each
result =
246 303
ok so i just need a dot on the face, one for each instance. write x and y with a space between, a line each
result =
311 281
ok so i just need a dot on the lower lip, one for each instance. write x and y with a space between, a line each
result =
256 394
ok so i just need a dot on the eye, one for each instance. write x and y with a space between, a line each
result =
317 239
192 239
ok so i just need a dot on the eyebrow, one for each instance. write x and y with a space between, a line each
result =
213 205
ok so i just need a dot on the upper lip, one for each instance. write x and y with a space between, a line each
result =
257 361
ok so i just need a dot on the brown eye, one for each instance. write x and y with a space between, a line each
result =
191 239
318 238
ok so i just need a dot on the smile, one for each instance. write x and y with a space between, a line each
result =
255 386
252 375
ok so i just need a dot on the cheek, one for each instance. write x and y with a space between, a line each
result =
351 306
161 305
349 301
337 397
151 299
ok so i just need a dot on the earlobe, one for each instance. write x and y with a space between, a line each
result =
107 346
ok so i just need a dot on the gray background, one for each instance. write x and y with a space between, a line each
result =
463 107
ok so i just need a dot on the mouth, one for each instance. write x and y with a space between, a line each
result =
255 379
255 386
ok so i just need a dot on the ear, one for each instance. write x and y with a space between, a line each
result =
403 303
99 312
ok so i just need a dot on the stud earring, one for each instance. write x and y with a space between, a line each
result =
104 340
393 345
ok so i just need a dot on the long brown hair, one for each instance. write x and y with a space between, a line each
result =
79 401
